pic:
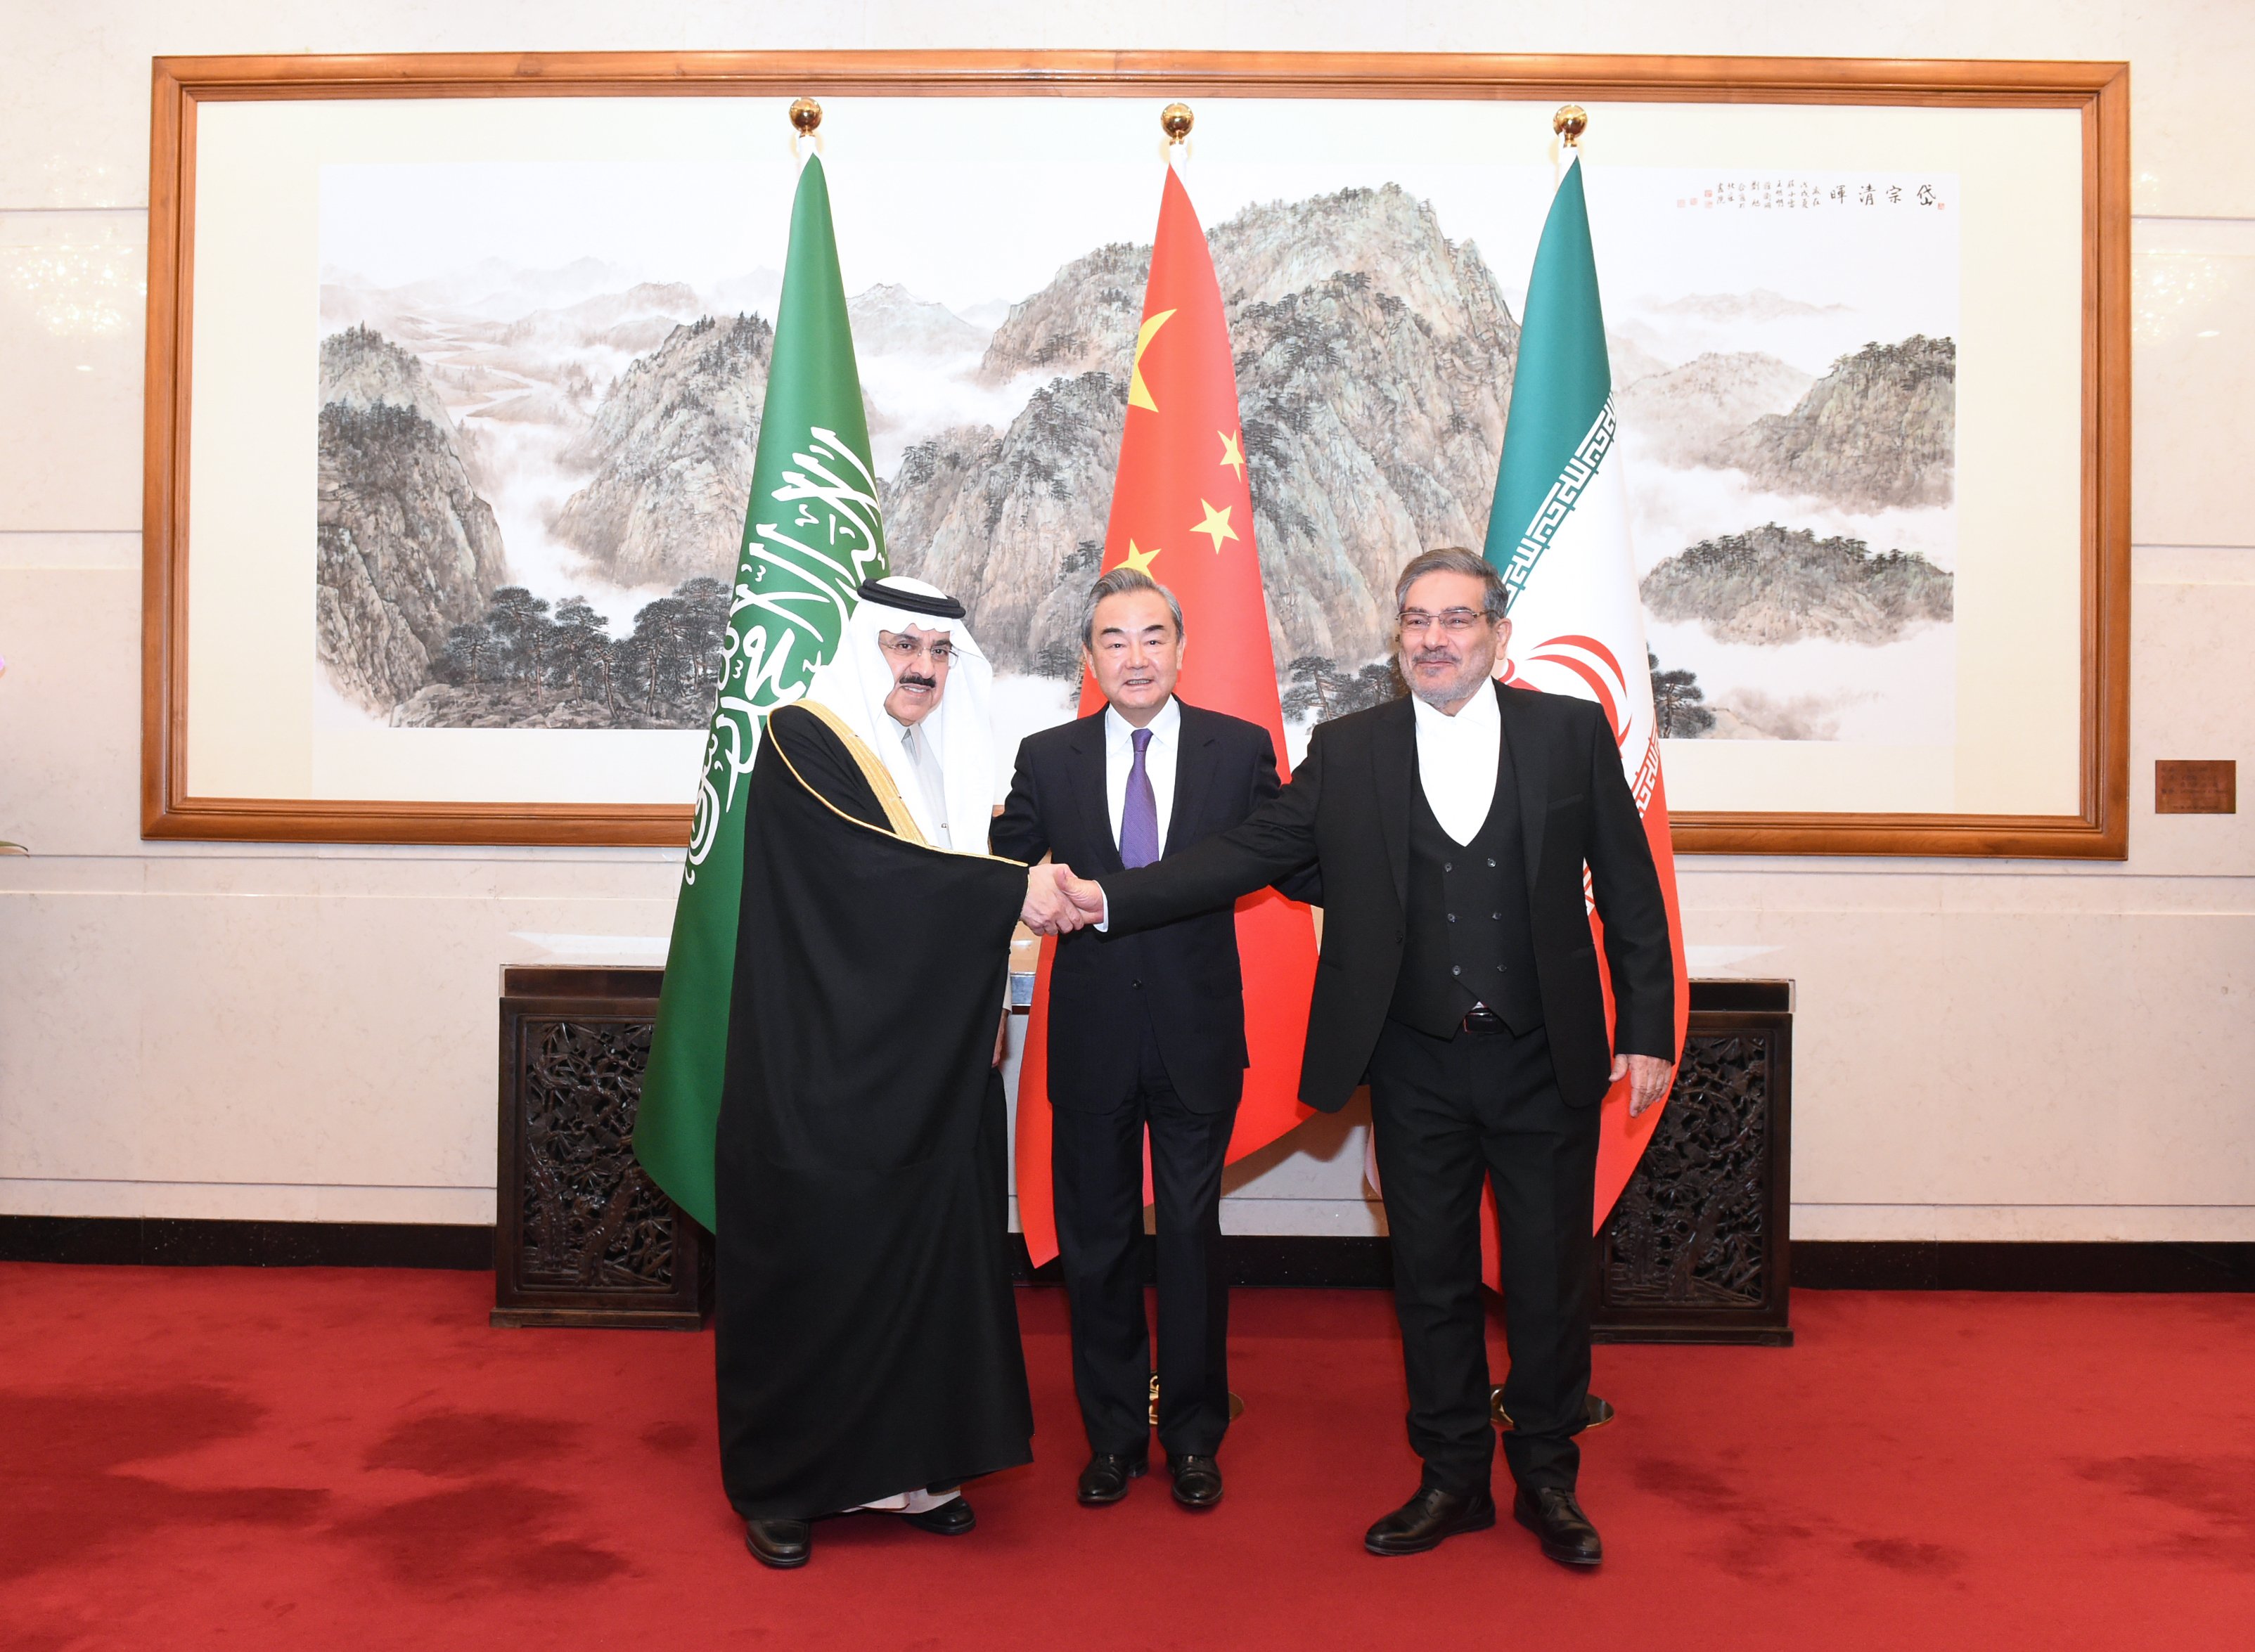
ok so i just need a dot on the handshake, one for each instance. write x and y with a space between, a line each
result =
1058 903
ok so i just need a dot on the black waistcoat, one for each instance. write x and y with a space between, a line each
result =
1468 936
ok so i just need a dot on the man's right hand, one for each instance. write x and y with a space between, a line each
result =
1048 910
1085 895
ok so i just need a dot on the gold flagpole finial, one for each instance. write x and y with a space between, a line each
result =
1174 121
805 116
1569 122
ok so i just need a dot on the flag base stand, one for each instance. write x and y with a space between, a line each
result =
1236 1403
1595 1413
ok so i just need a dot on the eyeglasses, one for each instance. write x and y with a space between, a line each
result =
1456 621
905 648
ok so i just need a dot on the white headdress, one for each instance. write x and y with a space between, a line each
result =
961 729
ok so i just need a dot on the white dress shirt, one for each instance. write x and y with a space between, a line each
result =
1457 760
926 764
1158 762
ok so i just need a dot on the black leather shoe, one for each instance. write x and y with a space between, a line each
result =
1429 1518
1197 1479
1105 1480
951 1519
780 1543
1568 1537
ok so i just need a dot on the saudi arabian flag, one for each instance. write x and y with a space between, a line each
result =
811 535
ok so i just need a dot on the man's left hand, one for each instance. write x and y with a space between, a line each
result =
1648 1076
1003 1038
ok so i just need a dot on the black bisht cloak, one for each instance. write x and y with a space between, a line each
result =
866 1337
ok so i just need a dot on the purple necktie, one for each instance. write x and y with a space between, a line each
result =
1139 817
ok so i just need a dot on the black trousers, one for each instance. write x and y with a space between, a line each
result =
1448 1114
1097 1164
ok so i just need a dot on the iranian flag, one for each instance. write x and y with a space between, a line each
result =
811 535
1183 512
1559 533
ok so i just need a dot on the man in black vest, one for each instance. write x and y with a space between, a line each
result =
1144 1031
1457 975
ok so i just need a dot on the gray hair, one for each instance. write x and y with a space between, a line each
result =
1455 559
1118 582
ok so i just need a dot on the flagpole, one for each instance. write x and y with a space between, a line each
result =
1176 121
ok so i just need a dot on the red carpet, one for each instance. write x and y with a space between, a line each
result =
315 1458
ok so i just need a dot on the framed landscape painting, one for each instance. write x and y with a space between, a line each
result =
456 367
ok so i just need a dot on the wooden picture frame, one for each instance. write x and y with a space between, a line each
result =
2098 92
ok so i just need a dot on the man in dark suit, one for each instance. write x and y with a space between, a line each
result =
1451 830
1144 1031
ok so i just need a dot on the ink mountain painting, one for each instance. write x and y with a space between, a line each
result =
532 472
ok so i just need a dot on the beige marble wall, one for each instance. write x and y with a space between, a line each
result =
2000 1050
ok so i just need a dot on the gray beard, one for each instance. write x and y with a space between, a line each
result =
1441 699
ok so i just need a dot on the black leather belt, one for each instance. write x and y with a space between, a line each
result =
1482 1020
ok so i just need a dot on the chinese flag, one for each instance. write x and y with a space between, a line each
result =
1183 512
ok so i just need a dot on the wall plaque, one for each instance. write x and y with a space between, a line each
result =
2202 786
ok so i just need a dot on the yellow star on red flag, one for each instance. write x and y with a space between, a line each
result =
1232 454
1216 525
1139 560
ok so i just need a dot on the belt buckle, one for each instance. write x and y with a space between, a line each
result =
1479 1020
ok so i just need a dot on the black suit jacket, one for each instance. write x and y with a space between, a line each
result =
1184 970
1347 809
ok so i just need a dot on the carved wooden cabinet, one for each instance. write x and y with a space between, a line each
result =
1697 1250
582 1236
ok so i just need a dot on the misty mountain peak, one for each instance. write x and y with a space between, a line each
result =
361 368
1760 304
1880 428
890 319
1085 320
1277 247
1689 415
671 451
1772 586
404 547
